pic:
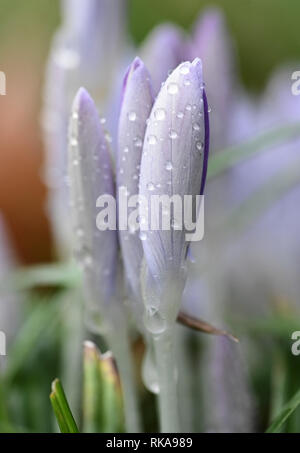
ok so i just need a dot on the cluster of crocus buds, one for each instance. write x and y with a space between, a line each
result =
162 150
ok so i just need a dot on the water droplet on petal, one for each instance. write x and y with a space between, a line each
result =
184 70
172 88
160 114
152 140
199 146
196 127
132 116
74 142
187 83
188 107
150 186
143 236
154 322
138 143
173 135
169 166
180 115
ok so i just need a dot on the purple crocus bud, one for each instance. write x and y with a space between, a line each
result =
174 163
211 43
136 108
162 52
91 176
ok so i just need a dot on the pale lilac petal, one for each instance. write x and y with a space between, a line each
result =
136 107
91 175
162 52
174 161
96 31
211 43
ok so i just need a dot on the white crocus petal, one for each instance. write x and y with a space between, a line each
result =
91 176
136 107
173 163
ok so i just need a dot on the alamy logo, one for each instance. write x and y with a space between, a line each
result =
296 84
2 84
139 214
2 343
296 345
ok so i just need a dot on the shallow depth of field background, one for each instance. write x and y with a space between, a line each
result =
266 35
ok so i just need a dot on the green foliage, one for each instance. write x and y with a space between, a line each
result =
62 409
284 414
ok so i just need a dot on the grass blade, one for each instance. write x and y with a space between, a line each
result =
62 409
285 413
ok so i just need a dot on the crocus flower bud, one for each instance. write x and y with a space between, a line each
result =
174 163
212 43
136 107
162 52
95 30
91 176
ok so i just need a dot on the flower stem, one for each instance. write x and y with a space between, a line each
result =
167 375
119 343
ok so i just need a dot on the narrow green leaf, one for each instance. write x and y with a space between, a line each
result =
228 158
65 275
62 409
285 413
42 321
63 426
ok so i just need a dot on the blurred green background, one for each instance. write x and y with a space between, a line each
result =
265 31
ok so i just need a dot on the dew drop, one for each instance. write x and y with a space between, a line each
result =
188 107
169 166
196 127
160 114
149 372
154 322
150 186
184 70
132 116
108 137
74 142
180 115
138 143
152 140
173 135
172 88
187 83
143 236
199 146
